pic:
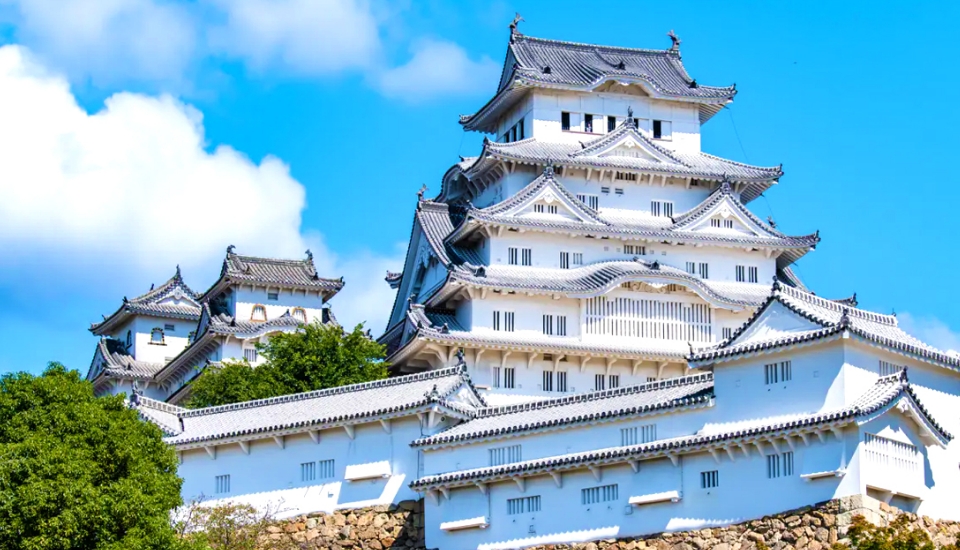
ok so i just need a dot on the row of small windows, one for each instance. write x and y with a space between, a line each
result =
312 471
515 133
661 209
594 124
746 274
605 381
638 435
702 269
568 259
523 505
553 325
519 256
780 465
717 222
774 373
887 368
603 493
548 381
509 379
505 455
545 208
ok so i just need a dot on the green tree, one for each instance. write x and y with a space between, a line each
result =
78 471
898 535
315 357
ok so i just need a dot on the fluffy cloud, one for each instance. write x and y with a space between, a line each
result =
301 36
124 194
107 40
438 68
932 331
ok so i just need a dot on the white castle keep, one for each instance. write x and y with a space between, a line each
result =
586 342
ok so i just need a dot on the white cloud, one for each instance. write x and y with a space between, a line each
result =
108 40
931 330
438 68
301 36
113 198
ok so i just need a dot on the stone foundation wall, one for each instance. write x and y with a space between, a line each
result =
811 528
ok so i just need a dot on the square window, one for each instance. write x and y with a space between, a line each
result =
709 480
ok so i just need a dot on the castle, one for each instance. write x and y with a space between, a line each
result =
593 337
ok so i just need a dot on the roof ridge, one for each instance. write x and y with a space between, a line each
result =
626 128
595 395
523 37
742 164
349 388
832 305
150 403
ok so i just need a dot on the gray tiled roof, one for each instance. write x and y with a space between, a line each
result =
299 274
591 222
113 360
150 304
579 409
164 415
834 318
886 392
365 402
536 62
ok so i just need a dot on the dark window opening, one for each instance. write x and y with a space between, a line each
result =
611 123
657 129
565 122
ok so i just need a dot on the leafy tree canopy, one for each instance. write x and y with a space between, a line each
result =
78 471
315 357
898 535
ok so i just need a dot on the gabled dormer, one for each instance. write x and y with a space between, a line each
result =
627 142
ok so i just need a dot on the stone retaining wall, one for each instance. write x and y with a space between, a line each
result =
811 528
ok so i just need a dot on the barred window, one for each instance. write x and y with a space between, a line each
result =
512 254
599 382
561 381
505 455
603 493
503 320
887 369
509 377
704 270
250 354
780 465
590 200
613 381
308 471
523 505
710 479
547 380
778 372
635 249
626 176
326 469
222 484
661 209
526 256
169 327
638 434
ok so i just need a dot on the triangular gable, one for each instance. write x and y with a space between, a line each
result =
894 394
547 191
626 141
723 204
774 322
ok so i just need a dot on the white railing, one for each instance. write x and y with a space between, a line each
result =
892 465
644 318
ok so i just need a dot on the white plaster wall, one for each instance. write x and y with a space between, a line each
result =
549 104
174 341
564 518
270 473
546 248
287 300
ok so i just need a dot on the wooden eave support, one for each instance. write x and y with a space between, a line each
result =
745 449
773 443
583 362
610 362
211 450
314 435
759 446
805 438
730 453
445 492
350 431
433 496
279 440
790 442
821 436
675 459
837 432
715 455
556 360
521 483
477 356
597 473
482 487
635 465
531 357
244 446
385 424
557 478
503 358
636 365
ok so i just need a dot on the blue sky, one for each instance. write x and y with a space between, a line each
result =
136 135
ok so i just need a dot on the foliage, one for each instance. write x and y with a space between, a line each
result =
228 527
78 471
315 357
898 535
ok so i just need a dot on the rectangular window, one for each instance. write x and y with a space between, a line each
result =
599 382
588 123
887 369
618 190
604 493
250 355
625 176
778 372
692 268
505 455
704 270
547 380
576 258
752 274
496 320
661 209
635 249
520 125
564 260
715 222
727 333
746 274
552 209
513 133
308 471
561 381
523 505
638 435
512 254
496 377
786 371
325 469
223 484
538 208
605 190
780 465
611 123
662 129
741 274
273 296
508 317
526 256
592 201
613 381
728 224
565 121
770 374
168 327
509 378
709 480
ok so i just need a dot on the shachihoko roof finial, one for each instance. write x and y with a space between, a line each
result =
460 361
776 283
423 189
675 47
230 249
513 25
770 222
309 255
548 169
629 112
177 275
